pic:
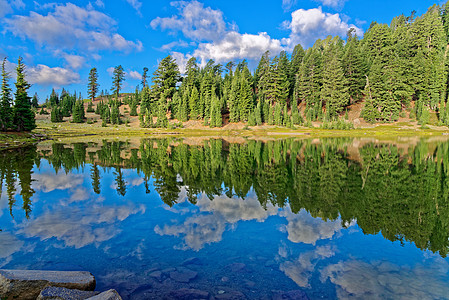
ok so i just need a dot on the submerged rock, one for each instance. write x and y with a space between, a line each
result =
60 293
238 268
27 284
187 294
108 295
156 275
291 295
231 295
183 275
192 261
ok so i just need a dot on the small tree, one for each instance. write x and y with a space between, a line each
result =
6 113
23 115
92 86
56 115
117 80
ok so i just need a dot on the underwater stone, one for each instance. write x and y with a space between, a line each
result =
59 293
156 275
183 275
291 295
108 295
231 295
192 261
27 284
187 294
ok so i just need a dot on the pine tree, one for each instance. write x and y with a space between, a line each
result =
115 115
145 100
334 91
278 114
90 108
193 104
23 115
78 112
354 66
133 108
215 112
92 85
35 101
6 112
144 77
117 80
245 103
258 114
165 79
56 115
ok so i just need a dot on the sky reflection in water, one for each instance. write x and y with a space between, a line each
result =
124 211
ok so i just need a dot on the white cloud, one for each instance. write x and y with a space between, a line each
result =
234 210
303 228
301 269
196 231
200 230
78 227
70 26
10 245
42 74
80 194
99 3
175 44
288 4
194 20
238 46
136 4
110 70
134 75
74 61
49 182
181 59
381 280
6 7
309 25
337 4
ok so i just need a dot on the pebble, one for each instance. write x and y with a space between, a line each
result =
183 275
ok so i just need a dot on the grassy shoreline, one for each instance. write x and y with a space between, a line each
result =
48 131
67 130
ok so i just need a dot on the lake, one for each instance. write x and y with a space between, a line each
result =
233 218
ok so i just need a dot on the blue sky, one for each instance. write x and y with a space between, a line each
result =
62 41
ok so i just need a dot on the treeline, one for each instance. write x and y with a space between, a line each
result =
400 70
404 196
16 113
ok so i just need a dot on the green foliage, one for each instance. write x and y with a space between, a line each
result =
215 112
133 107
23 119
6 112
92 85
56 115
90 108
117 80
277 114
78 115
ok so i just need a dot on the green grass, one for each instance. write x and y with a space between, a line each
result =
66 129
11 140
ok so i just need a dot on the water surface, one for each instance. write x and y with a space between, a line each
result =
332 218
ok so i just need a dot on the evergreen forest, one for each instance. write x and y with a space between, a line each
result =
396 70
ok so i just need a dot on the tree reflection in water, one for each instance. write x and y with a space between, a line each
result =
401 192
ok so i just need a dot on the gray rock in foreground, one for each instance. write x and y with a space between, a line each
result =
108 295
60 293
27 284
